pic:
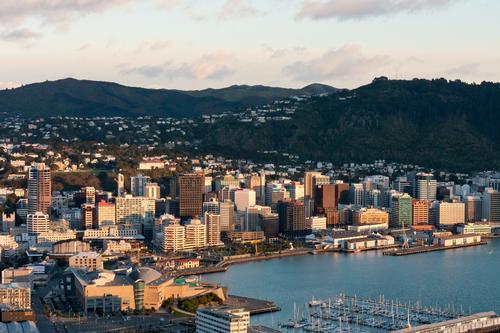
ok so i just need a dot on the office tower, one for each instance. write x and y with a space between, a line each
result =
173 237
196 235
88 216
37 223
172 187
138 212
309 184
211 206
324 198
251 220
226 212
357 194
292 218
105 213
269 223
138 185
120 185
152 190
473 208
208 185
244 198
373 198
450 213
227 193
491 205
39 189
22 208
191 188
296 190
212 222
425 186
341 193
401 213
88 194
8 221
403 185
222 320
420 210
257 183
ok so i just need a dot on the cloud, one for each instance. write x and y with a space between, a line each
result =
211 66
53 12
360 9
19 34
464 70
9 85
347 63
237 9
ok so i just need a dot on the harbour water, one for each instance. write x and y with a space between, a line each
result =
468 278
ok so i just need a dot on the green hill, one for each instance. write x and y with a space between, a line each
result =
70 97
434 123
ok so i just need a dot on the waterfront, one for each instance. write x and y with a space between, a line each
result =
467 277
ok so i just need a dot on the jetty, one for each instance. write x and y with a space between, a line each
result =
428 248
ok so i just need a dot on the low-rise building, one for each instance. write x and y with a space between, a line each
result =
16 295
458 240
90 260
222 320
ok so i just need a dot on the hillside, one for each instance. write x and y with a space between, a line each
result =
433 123
70 97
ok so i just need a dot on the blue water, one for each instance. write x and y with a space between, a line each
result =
469 277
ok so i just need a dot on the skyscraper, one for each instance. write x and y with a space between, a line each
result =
212 222
39 189
120 185
88 194
309 184
292 218
401 213
425 186
226 211
152 190
191 189
491 205
138 185
420 210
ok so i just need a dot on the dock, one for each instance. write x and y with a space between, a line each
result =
252 305
426 249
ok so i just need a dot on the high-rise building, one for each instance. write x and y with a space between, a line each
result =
88 194
450 213
222 320
138 185
491 205
88 215
296 190
226 212
173 237
401 213
357 194
120 185
292 218
309 183
212 223
152 190
258 184
324 198
196 235
39 189
473 208
252 217
425 186
341 193
38 223
135 211
191 189
364 216
211 206
244 198
105 213
420 210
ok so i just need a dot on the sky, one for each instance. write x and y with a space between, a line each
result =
196 44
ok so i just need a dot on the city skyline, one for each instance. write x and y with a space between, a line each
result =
192 45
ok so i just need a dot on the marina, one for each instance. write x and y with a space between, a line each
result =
344 313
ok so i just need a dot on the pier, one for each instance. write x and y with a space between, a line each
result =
252 305
430 248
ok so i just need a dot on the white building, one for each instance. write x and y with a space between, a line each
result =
244 198
316 223
222 320
450 213
38 223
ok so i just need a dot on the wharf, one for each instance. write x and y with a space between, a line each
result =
254 306
289 253
200 271
430 248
